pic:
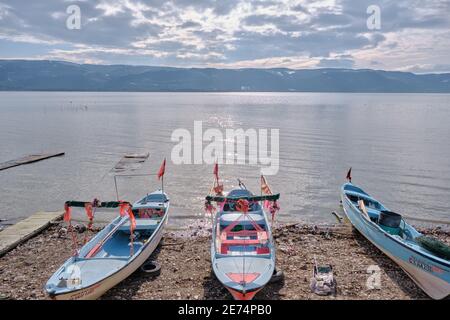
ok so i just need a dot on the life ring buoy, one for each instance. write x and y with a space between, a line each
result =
242 205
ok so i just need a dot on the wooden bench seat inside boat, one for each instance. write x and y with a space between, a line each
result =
141 224
229 218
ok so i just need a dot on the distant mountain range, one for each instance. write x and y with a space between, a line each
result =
30 75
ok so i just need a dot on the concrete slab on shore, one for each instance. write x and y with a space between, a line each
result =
16 234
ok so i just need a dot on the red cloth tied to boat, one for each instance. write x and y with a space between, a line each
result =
132 221
89 211
123 208
67 213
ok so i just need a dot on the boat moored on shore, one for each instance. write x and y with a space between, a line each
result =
426 260
116 251
242 246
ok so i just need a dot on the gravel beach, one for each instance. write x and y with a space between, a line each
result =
184 257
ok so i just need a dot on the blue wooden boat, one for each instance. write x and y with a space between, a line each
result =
424 259
110 256
242 247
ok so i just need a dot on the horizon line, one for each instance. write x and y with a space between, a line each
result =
217 68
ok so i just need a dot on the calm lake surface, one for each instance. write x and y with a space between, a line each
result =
397 144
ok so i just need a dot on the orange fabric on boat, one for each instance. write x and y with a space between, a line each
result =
123 208
132 221
88 206
68 218
89 211
67 213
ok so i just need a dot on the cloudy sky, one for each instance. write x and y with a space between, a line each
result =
414 35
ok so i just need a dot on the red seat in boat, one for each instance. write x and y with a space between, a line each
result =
263 250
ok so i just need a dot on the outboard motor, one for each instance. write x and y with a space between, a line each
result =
390 222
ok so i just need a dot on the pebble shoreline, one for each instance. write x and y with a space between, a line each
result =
184 257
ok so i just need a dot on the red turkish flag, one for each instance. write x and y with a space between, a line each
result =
162 169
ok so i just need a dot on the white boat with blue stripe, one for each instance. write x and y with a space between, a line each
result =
114 253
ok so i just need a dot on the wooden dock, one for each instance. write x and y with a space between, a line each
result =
16 234
132 161
29 159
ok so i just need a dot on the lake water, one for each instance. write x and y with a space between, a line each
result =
397 144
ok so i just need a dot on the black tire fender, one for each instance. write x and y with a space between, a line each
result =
151 268
277 276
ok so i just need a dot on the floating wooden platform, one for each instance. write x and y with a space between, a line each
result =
28 159
132 161
16 234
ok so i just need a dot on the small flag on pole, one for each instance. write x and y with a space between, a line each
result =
216 171
265 189
162 169
349 175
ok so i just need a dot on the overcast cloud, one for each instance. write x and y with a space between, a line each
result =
414 34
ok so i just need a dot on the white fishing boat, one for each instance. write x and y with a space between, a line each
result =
115 252
424 259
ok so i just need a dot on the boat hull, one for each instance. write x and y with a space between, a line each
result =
430 275
96 290
238 295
